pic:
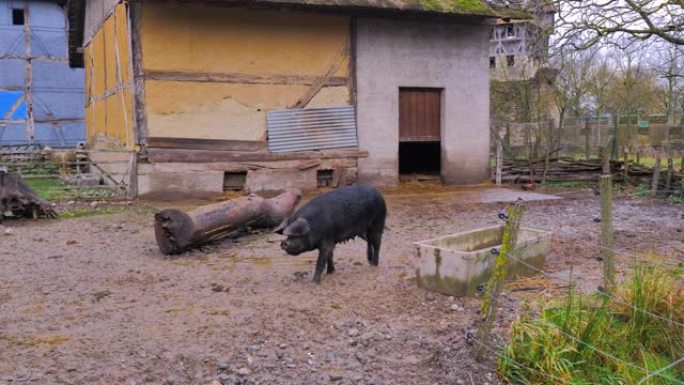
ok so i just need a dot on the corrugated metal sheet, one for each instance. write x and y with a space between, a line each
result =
312 129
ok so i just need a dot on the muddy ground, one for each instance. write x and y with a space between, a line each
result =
91 300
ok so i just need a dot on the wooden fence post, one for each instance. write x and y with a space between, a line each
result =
670 171
587 137
656 175
606 155
606 190
499 161
489 302
616 144
625 158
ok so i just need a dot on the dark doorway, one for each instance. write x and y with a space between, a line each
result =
419 158
420 130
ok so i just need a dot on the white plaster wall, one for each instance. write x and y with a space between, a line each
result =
399 53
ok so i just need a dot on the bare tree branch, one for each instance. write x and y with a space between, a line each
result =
583 24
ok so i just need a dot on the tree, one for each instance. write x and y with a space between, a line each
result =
633 90
621 22
571 85
668 65
601 76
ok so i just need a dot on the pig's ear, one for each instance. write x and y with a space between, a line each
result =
281 227
297 228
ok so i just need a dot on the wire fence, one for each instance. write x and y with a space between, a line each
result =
628 256
572 150
583 137
647 372
68 174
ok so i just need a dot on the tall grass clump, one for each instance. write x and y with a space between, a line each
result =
601 339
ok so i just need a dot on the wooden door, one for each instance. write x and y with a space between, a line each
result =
419 114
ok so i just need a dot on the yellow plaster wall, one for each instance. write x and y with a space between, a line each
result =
199 39
109 96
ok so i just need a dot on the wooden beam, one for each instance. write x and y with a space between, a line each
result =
352 62
28 74
207 144
239 78
39 58
134 22
323 80
158 155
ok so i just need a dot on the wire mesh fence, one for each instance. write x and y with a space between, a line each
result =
67 174
586 137
638 150
628 312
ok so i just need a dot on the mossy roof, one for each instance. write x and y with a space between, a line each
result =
447 7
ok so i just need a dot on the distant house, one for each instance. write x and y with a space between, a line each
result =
41 97
518 48
216 95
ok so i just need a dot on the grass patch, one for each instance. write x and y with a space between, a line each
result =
568 185
642 191
649 162
676 198
53 189
599 340
91 212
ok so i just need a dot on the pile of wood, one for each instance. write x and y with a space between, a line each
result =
570 170
19 200
559 170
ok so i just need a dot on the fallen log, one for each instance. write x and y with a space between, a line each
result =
176 230
19 200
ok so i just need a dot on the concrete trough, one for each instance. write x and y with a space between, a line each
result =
456 264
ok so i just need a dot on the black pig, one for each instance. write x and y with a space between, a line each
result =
334 217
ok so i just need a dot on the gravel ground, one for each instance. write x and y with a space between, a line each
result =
91 300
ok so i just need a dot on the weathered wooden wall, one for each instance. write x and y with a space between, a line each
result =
109 91
213 72
97 11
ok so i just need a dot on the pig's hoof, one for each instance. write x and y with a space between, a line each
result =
316 279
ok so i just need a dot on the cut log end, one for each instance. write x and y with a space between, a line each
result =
173 230
177 231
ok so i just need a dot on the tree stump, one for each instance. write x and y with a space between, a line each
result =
17 198
176 230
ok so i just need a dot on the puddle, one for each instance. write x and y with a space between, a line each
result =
464 194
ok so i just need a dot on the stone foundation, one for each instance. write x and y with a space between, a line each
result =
266 178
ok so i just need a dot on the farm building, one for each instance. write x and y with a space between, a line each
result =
208 96
41 97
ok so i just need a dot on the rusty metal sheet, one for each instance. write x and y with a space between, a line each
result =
312 129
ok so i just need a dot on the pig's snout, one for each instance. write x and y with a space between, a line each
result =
283 245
